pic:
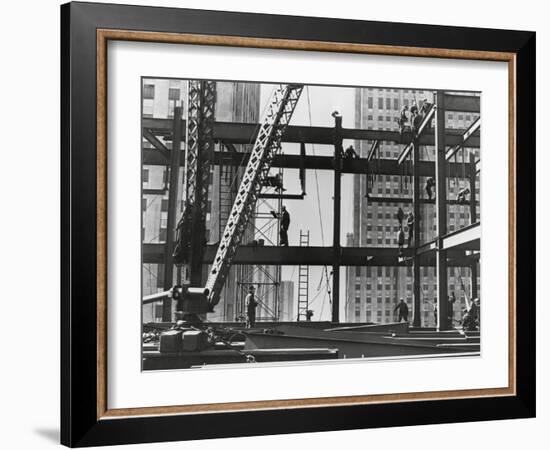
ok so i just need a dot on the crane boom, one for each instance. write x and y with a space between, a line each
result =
278 114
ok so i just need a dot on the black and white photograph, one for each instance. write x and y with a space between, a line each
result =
291 223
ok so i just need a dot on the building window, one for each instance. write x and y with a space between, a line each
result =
369 103
388 103
380 103
357 300
143 204
357 287
173 94
369 300
162 235
164 204
369 117
145 175
358 271
149 91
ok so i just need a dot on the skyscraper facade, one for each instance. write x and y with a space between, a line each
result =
373 292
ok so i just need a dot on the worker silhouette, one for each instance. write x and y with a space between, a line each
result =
251 305
400 240
285 223
461 196
350 153
402 310
430 184
410 225
400 216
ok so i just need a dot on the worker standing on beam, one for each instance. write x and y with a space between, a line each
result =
251 305
402 310
350 153
285 223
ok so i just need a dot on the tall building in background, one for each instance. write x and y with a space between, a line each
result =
373 292
235 102
286 301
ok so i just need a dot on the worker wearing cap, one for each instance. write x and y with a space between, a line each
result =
251 305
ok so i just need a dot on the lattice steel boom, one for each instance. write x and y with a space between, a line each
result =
278 114
199 154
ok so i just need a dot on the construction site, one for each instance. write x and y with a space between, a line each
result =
289 223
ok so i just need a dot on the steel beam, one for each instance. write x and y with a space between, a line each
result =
372 150
467 238
462 103
317 256
417 308
168 281
472 176
441 214
408 200
473 128
245 133
155 142
338 151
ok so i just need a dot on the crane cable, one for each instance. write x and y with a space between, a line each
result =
318 195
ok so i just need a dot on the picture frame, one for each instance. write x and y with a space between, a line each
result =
86 418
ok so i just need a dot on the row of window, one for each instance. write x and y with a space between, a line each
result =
149 92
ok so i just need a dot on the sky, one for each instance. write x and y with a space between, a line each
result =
314 108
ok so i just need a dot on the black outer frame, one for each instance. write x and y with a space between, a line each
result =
79 423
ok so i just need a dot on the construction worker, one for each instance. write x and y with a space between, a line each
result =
275 181
400 240
350 153
251 305
435 312
414 112
285 223
470 321
403 311
400 217
461 196
430 184
410 225
403 119
450 308
425 107
309 315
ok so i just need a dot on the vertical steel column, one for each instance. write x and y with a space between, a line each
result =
473 211
171 219
441 214
473 274
338 150
417 311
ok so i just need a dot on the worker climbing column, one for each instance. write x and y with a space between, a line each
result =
441 214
